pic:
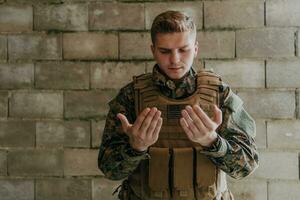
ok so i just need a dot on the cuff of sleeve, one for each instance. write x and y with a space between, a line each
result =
134 155
218 149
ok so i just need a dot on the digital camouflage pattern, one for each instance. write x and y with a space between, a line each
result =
234 152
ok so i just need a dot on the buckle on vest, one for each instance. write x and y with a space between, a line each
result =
183 193
158 194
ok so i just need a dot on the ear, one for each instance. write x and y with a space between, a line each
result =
196 49
152 49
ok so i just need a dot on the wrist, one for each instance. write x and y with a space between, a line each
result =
210 140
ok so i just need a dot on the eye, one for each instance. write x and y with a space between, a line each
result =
164 52
183 50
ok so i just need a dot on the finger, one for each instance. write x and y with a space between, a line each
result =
207 122
197 121
157 129
186 129
124 121
139 121
146 123
153 124
190 122
218 115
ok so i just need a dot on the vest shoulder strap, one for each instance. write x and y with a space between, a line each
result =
142 81
206 77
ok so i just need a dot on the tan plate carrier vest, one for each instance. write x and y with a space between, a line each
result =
176 168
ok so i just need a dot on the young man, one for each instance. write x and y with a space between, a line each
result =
175 133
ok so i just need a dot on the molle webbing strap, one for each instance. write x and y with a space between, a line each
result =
206 177
183 174
159 172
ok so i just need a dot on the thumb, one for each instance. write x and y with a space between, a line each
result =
218 115
124 121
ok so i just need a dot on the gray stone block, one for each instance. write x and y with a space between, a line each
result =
234 14
16 75
65 75
63 134
15 133
34 46
66 17
54 189
114 75
12 22
36 105
268 42
114 16
17 189
216 44
35 162
269 103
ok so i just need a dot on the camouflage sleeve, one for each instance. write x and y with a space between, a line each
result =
116 158
235 151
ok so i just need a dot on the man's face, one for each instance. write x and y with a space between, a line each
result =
175 52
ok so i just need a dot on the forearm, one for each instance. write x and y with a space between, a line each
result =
119 161
238 156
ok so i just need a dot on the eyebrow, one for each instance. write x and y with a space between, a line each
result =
166 49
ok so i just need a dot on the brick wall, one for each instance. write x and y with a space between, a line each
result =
61 61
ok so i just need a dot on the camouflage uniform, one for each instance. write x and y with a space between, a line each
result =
234 152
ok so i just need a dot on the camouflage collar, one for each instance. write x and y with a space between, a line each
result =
175 88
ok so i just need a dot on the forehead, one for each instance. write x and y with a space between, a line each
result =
174 40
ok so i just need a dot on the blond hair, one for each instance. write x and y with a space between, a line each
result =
170 22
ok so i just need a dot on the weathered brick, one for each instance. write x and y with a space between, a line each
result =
283 73
240 73
17 189
36 105
97 132
3 47
81 162
16 75
34 2
35 162
249 189
283 134
114 16
3 104
269 103
268 42
3 164
90 46
233 14
261 133
279 190
282 13
54 189
17 133
84 104
34 46
193 9
216 44
135 46
72 17
114 74
277 165
103 189
65 75
12 22
63 134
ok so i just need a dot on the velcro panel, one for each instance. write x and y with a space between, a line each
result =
183 173
159 172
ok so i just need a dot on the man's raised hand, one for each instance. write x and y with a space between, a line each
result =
145 130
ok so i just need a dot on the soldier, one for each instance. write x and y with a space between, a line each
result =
175 133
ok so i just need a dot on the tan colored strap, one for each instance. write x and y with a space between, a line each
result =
159 172
183 173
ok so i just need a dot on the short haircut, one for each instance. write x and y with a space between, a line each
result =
170 22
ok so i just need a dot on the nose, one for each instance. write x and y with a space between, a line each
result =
174 57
